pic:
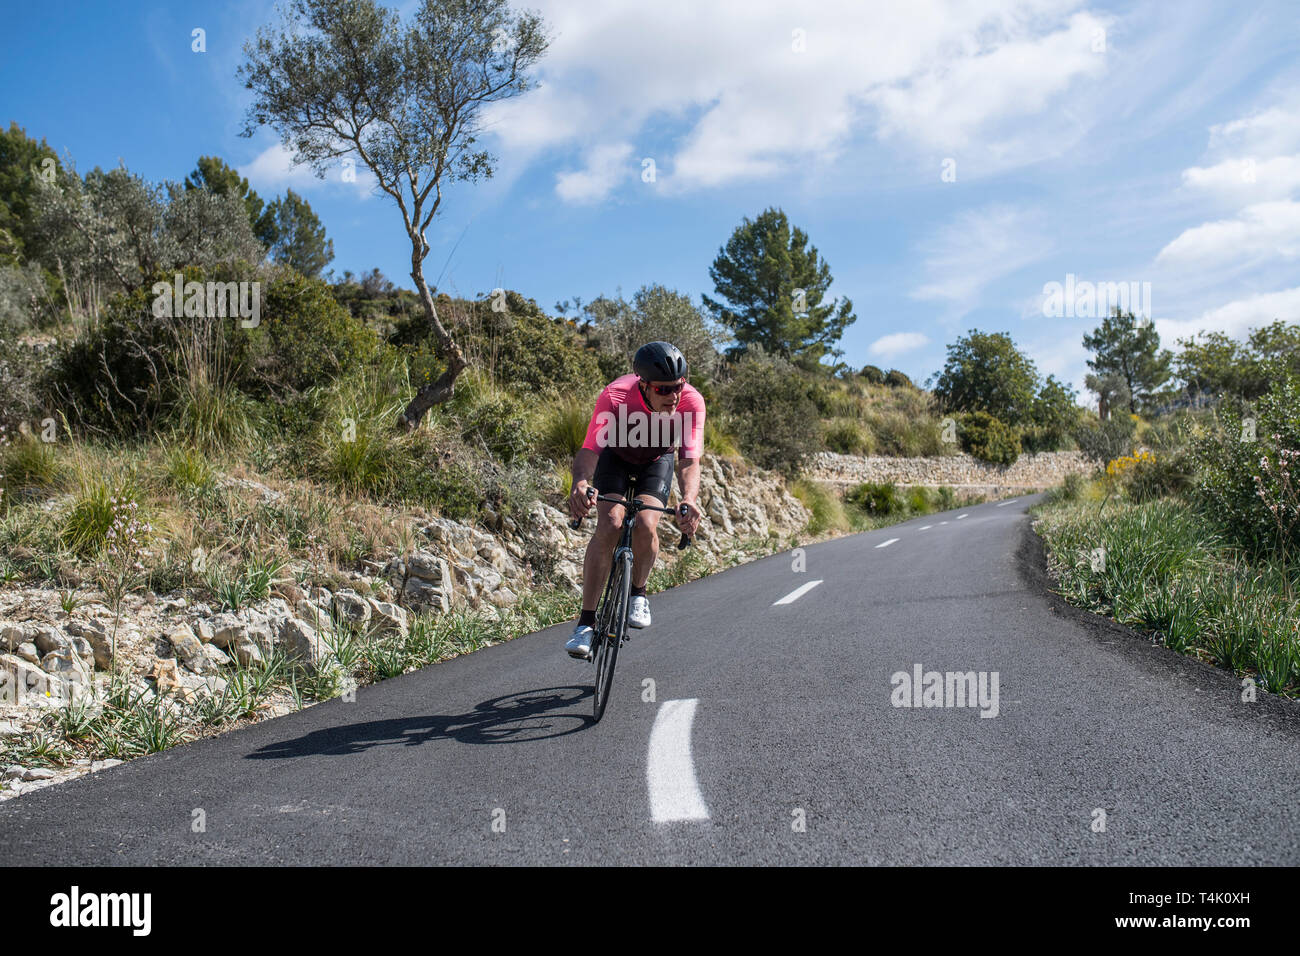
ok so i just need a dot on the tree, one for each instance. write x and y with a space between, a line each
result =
1219 365
658 314
294 235
214 175
760 274
1054 417
107 233
1131 350
405 100
985 372
22 163
769 412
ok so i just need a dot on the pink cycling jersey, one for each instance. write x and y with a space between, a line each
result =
623 422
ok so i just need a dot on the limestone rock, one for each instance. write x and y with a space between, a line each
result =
227 628
302 644
47 638
165 676
351 606
421 593
246 651
388 619
187 647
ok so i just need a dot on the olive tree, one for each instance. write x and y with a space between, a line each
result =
347 78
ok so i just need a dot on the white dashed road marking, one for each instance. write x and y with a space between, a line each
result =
959 517
926 527
797 593
670 769
885 544
1005 503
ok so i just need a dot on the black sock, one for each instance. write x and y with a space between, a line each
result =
587 619
638 592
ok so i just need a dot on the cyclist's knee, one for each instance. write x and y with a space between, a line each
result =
647 530
608 524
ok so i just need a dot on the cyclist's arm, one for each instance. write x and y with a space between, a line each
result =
584 465
688 479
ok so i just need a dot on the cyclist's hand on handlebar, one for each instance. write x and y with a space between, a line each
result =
580 500
688 517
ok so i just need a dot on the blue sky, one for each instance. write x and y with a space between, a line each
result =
1147 142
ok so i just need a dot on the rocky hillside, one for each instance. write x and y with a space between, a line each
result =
180 655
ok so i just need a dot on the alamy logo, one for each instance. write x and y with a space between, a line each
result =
103 909
1096 300
947 689
212 300
636 429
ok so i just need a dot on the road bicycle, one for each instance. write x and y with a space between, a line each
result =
611 615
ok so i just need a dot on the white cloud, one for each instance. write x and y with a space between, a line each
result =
978 246
606 166
891 346
1235 318
753 108
1269 132
1247 178
948 104
273 169
1261 232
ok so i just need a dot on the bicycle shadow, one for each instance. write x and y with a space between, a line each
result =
515 718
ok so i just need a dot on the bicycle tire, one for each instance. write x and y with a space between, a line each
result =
612 625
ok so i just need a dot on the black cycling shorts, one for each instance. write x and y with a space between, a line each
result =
654 478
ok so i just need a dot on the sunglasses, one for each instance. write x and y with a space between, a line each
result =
667 389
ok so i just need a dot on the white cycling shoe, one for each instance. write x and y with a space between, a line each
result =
638 612
579 645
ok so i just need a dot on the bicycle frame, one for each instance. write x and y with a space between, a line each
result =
606 642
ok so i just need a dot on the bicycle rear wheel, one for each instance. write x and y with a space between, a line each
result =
611 625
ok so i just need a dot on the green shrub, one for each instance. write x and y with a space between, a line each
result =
28 462
564 427
718 438
772 413
945 498
520 348
126 370
189 470
827 509
901 433
1070 489
872 374
1245 466
986 438
1103 441
880 499
212 417
896 379
304 339
461 486
847 437
86 526
492 416
919 501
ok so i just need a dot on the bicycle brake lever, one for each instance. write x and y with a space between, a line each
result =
575 524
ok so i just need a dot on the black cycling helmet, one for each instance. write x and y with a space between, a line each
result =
659 362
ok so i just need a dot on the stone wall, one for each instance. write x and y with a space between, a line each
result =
960 472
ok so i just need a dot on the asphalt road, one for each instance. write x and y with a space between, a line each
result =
770 735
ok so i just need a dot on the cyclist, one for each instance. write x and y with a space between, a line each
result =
638 421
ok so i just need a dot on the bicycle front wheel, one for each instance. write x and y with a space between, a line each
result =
611 625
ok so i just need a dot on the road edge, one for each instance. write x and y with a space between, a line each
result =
1221 689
